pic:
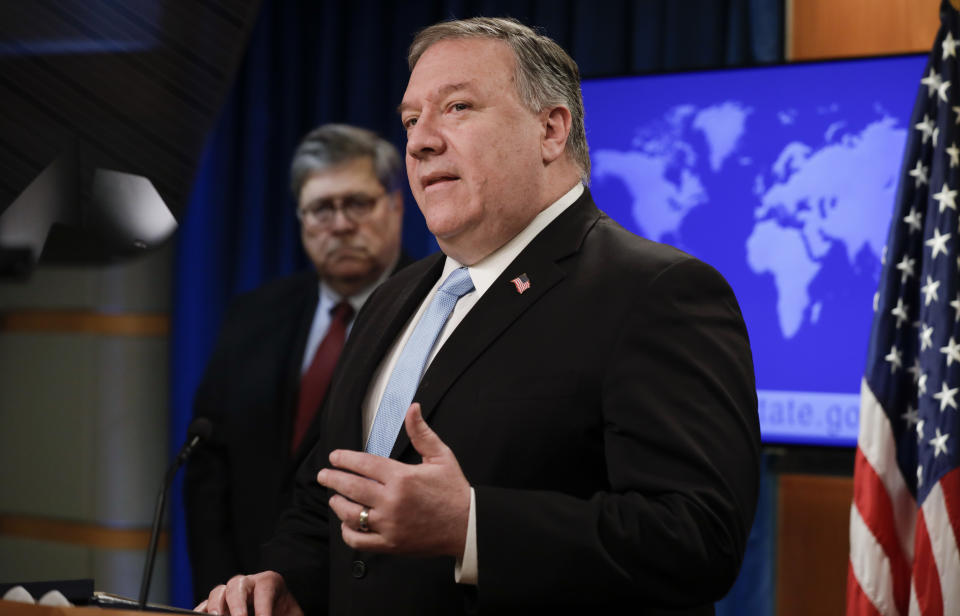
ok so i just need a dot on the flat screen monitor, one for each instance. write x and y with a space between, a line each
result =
783 178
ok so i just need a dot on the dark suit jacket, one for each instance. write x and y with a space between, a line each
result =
607 419
239 482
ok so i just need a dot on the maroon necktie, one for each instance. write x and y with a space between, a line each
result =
316 380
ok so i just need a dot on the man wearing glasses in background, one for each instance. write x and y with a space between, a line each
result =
278 346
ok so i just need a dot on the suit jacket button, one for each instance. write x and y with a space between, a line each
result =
359 569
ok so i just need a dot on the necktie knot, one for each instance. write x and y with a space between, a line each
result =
342 312
458 283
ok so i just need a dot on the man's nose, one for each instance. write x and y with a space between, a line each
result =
341 223
424 138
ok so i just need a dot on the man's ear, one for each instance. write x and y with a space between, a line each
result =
556 123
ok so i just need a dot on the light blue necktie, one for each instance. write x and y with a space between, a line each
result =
409 368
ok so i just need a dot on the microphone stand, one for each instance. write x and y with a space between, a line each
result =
199 430
155 534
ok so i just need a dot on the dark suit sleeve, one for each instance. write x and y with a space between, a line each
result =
298 551
681 445
210 524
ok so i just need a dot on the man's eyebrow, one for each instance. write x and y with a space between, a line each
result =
443 91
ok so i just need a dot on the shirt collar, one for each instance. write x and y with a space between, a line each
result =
485 272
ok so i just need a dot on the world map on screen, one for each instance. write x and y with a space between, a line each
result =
784 179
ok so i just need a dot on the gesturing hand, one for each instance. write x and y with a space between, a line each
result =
416 509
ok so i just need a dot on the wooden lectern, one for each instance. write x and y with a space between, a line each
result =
13 608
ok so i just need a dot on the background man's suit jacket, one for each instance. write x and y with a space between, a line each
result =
607 418
239 482
249 392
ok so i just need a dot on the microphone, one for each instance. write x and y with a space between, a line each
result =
198 431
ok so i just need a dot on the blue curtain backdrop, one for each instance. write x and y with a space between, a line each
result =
315 61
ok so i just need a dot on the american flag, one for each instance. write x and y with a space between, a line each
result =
521 282
905 517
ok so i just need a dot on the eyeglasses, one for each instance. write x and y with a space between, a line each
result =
321 212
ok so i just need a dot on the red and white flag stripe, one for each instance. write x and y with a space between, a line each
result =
903 560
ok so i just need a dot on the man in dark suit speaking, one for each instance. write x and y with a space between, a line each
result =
278 346
584 430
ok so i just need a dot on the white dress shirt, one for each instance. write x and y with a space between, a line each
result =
483 273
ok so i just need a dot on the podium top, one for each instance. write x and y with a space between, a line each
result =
13 608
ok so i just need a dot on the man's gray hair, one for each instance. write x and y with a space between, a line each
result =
546 74
330 145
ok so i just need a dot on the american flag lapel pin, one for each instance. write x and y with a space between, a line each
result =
521 282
